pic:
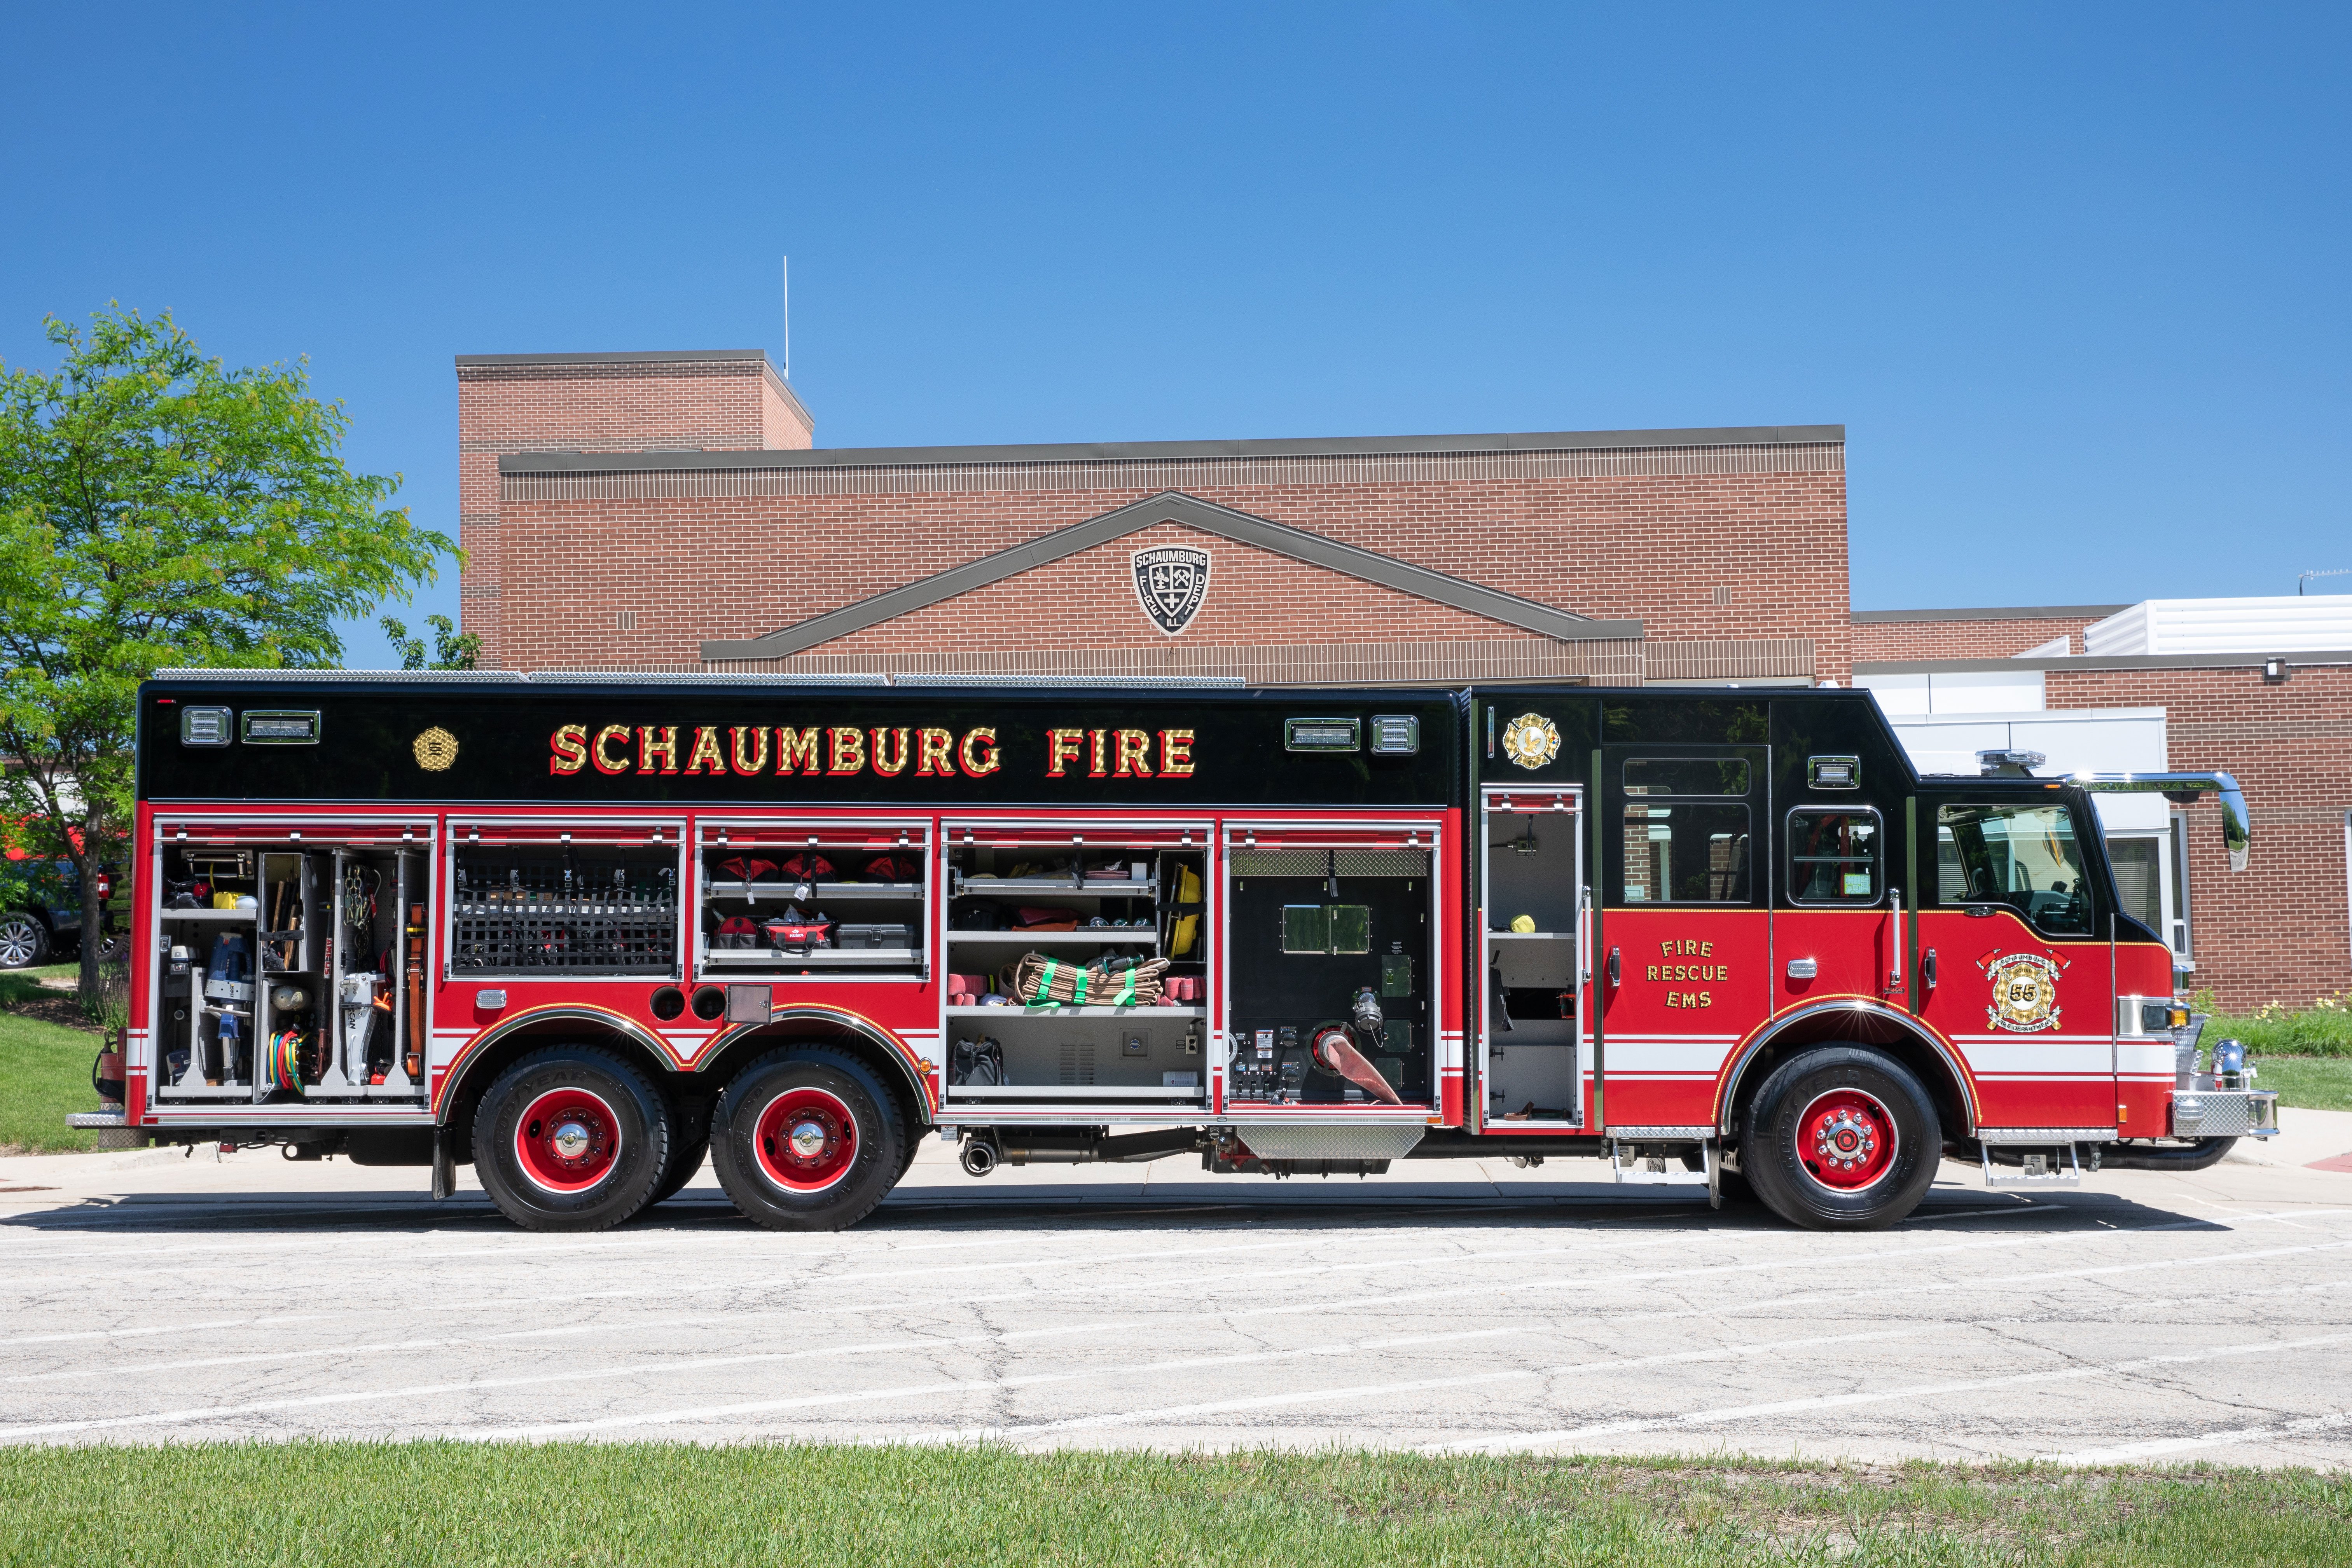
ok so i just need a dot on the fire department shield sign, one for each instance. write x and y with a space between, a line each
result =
1171 582
2024 992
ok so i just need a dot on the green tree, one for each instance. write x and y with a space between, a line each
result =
452 649
159 509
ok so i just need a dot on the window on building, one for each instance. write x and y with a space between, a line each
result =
2138 859
2025 857
1833 856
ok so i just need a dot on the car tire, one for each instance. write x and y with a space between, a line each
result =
1842 1138
24 940
570 1138
807 1139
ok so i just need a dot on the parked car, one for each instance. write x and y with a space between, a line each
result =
40 911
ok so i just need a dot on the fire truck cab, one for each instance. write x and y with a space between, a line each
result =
580 931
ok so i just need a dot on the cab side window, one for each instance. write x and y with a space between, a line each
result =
2023 857
1833 856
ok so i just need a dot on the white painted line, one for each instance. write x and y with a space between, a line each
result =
1514 1442
2127 1452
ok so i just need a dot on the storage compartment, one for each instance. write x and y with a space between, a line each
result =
813 898
1534 900
287 971
1111 928
549 904
1334 969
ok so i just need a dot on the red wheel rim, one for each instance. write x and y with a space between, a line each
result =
567 1140
807 1140
1846 1140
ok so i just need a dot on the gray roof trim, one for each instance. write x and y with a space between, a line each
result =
2102 662
1174 506
633 356
1161 451
2011 612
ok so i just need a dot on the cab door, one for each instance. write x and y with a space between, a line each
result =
1685 941
2014 957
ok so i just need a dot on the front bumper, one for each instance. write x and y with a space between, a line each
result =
2225 1114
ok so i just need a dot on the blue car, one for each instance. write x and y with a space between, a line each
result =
40 911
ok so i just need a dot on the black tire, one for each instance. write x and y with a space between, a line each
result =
855 1148
520 1127
24 940
1781 1156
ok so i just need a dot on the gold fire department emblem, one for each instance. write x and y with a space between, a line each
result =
436 749
1531 740
2024 992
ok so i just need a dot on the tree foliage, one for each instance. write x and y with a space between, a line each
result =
157 509
452 649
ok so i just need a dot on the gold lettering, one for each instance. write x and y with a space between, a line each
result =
935 745
845 750
977 752
569 744
666 748
1134 754
1175 753
1061 750
883 763
1095 754
605 736
795 749
757 763
706 749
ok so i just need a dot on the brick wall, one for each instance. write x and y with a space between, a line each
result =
2279 930
1656 547
1972 639
595 404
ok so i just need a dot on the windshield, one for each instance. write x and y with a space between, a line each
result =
2023 856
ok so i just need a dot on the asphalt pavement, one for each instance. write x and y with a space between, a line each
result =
151 1296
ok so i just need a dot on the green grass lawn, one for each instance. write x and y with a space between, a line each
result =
645 1503
2310 1082
44 1073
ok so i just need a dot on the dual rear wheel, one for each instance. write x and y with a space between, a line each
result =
574 1138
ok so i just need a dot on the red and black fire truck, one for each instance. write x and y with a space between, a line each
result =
582 930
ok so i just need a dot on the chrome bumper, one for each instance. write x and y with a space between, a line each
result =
2225 1114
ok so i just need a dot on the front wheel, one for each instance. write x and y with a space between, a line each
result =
806 1139
1841 1138
570 1138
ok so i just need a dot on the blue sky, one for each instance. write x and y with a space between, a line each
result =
2073 276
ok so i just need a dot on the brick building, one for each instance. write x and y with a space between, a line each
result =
670 512
2261 688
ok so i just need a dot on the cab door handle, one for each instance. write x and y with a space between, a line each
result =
1927 969
1616 973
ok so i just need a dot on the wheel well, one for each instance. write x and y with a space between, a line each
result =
1872 1030
889 1067
481 1070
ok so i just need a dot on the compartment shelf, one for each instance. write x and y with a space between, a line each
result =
1071 1091
1530 935
215 916
1141 936
823 957
973 887
787 892
1017 1010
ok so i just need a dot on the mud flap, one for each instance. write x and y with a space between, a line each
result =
445 1167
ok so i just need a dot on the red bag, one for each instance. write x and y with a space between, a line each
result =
1028 918
975 984
746 869
894 868
809 931
809 867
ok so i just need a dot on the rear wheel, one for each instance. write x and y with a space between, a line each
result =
24 941
572 1138
1841 1138
806 1139
685 1164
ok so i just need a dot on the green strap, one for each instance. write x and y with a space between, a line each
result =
1125 992
1045 980
1080 998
